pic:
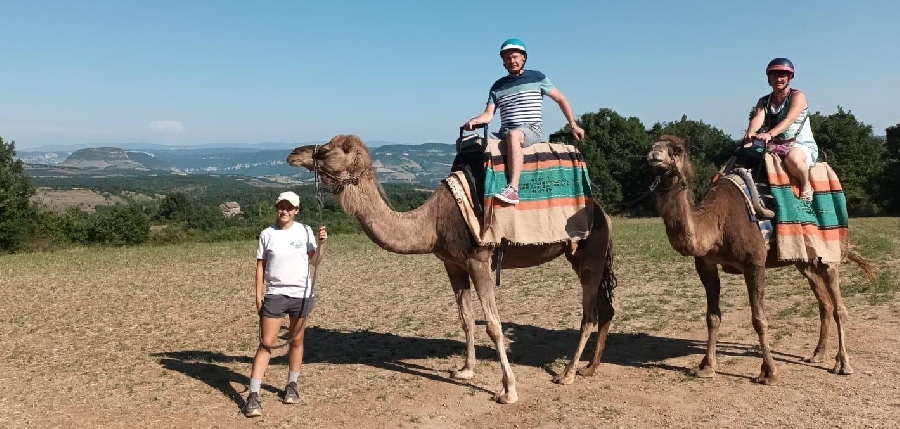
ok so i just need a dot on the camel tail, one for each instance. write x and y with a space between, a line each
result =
865 264
609 282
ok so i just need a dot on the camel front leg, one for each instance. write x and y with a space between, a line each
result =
826 307
459 281
709 276
832 281
588 326
481 275
755 277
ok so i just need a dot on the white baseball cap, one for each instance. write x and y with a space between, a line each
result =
290 197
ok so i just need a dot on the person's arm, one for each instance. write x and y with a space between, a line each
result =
260 282
484 118
756 121
798 103
315 255
556 95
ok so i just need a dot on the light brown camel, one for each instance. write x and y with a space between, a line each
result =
438 227
719 232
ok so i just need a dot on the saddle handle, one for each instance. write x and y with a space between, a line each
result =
485 126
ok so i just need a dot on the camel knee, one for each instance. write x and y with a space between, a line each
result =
760 325
713 320
841 312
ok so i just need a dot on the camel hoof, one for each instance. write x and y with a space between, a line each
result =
508 398
706 372
587 371
564 379
842 369
462 374
818 356
765 380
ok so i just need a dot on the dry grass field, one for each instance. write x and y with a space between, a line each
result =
162 337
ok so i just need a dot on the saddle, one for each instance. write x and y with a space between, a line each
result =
470 159
748 163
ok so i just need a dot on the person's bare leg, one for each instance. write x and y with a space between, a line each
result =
514 141
795 164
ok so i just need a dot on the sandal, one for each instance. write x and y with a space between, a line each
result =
807 195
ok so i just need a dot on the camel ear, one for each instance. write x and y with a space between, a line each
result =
687 146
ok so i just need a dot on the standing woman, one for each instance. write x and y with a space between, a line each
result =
783 117
283 287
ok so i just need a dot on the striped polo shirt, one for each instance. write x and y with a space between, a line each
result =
520 99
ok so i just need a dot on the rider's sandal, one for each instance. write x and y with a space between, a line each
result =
807 195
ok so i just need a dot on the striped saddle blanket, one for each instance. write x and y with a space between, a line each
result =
805 231
555 202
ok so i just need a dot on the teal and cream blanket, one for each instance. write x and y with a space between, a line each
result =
555 202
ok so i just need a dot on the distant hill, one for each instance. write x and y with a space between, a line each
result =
154 146
101 158
424 164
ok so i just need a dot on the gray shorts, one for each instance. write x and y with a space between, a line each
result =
276 306
531 137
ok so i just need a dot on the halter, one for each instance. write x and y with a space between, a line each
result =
338 183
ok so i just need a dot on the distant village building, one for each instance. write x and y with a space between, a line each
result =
230 208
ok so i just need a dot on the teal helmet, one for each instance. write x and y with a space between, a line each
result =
513 44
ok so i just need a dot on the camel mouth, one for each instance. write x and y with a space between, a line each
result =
658 163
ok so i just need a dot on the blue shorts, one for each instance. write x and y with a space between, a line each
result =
531 137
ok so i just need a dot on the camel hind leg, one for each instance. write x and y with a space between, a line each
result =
832 282
592 274
826 307
605 313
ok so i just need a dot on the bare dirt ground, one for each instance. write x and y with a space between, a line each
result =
162 337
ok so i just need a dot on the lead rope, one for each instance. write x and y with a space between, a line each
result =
315 272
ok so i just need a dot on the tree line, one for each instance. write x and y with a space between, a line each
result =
615 149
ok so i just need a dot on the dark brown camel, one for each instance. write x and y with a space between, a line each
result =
719 232
438 227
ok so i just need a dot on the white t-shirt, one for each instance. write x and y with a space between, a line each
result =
287 259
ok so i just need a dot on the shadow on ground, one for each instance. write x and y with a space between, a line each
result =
528 345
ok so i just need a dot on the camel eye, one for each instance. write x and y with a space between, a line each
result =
678 150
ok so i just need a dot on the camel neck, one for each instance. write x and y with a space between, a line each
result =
412 232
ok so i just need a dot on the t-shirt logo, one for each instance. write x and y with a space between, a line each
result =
297 244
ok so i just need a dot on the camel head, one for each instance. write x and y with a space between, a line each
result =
340 162
669 156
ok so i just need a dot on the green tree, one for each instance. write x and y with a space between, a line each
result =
15 191
615 150
891 170
120 225
174 207
855 154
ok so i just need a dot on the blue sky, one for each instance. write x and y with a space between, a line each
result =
197 72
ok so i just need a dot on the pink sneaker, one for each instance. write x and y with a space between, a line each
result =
508 195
